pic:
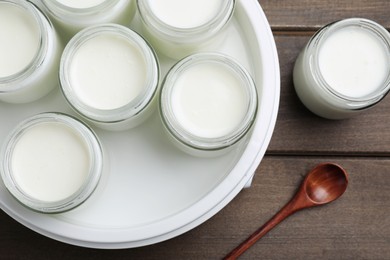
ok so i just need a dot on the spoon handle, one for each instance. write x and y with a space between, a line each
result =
290 208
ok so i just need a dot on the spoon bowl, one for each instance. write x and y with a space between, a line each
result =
325 183
322 185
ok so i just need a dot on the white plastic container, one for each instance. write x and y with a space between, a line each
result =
71 16
177 28
208 104
51 162
344 69
29 51
179 191
110 75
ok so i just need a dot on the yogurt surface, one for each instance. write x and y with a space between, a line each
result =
50 161
107 71
19 39
354 61
208 100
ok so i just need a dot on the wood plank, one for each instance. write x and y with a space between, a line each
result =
298 131
313 14
356 226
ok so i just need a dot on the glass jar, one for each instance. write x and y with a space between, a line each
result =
344 69
71 16
179 28
208 104
51 162
30 52
110 76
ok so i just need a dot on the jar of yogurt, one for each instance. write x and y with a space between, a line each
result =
177 28
51 162
344 69
208 104
110 75
71 16
30 52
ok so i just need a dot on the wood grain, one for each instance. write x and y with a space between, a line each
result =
307 15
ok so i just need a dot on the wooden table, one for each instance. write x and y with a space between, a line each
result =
355 227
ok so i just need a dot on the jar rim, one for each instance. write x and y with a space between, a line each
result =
186 34
135 106
10 83
203 143
59 10
85 190
320 37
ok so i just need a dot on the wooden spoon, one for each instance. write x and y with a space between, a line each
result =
323 184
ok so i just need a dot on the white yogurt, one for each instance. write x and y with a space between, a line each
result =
110 75
178 28
19 39
186 13
208 104
80 4
354 62
208 100
107 71
29 51
50 162
344 69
